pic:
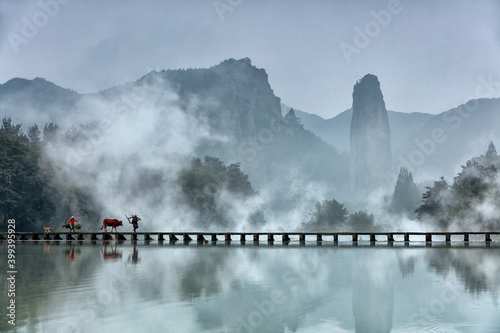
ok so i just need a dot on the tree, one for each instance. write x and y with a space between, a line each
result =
51 132
434 200
362 221
328 214
202 184
491 153
406 197
34 133
21 184
473 182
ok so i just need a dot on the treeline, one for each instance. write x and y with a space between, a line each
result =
331 215
472 200
37 192
28 190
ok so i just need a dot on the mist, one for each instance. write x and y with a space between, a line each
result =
131 159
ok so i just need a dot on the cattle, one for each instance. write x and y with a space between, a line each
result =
113 223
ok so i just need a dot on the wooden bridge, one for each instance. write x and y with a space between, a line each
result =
256 237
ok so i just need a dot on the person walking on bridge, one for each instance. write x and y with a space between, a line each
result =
135 221
71 223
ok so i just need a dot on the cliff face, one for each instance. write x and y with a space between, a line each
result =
234 97
370 137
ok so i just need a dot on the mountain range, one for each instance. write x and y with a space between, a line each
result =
235 102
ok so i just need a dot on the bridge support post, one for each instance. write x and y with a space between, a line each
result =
160 237
107 237
390 237
93 237
428 237
214 238
255 238
373 238
319 238
354 237
466 237
487 237
134 237
227 238
302 238
200 239
35 236
80 236
270 238
448 238
186 238
335 238
173 238
57 237
120 237
242 239
69 237
285 238
407 237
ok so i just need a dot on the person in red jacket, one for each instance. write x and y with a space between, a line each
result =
71 223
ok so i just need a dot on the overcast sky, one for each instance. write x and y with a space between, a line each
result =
429 56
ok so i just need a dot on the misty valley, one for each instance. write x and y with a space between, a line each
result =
215 149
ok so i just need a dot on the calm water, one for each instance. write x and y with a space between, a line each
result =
72 287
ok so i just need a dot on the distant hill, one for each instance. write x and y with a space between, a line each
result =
301 156
335 130
449 139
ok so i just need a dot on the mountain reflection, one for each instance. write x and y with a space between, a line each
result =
254 289
479 270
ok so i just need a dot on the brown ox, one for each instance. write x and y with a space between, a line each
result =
113 223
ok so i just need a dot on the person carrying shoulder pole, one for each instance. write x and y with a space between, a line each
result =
71 223
134 222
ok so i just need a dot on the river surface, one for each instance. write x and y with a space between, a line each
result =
83 287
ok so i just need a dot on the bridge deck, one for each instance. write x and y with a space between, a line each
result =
186 236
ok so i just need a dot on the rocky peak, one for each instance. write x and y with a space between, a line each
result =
370 137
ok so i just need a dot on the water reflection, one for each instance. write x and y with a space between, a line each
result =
100 288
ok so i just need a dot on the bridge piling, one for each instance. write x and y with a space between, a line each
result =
285 237
200 239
